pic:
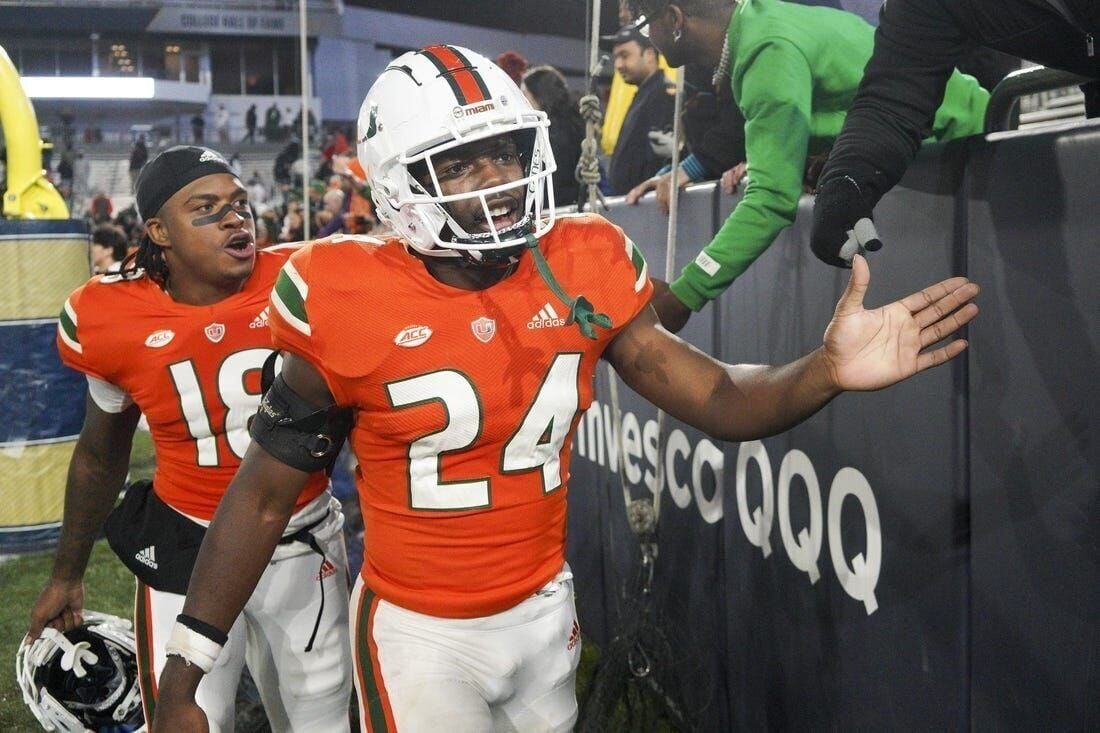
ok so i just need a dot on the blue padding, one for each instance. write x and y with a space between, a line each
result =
23 228
15 541
42 398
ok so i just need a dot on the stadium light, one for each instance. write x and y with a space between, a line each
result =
88 87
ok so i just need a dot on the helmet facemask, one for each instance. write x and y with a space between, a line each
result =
425 105
456 227
486 227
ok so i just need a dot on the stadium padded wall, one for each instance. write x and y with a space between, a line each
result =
921 558
43 400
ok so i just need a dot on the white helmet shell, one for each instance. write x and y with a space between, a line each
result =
84 679
433 100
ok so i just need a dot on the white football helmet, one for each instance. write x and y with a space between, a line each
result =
83 680
434 100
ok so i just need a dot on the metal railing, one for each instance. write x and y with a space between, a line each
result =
1005 98
329 6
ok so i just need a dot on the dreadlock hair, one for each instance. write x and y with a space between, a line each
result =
148 257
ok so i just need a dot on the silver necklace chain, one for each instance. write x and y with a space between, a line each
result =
723 68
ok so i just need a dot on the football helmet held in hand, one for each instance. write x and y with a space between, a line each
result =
85 680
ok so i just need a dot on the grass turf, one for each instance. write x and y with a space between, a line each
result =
109 588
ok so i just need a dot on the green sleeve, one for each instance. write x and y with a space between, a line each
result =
962 112
775 96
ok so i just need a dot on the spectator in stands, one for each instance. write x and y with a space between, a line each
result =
354 185
286 157
235 164
65 166
793 71
101 208
250 124
714 132
221 124
267 227
293 229
257 191
545 87
273 124
335 203
198 125
514 65
917 44
109 245
634 160
128 220
138 155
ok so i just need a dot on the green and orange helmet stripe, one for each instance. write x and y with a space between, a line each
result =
461 75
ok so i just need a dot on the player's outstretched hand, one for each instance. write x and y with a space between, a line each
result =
871 349
60 606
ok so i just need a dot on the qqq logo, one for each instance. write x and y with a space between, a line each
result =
858 576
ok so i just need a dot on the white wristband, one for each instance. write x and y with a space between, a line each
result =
193 647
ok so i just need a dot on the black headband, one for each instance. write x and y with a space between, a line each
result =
172 170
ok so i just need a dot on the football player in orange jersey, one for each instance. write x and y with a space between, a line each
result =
466 350
181 336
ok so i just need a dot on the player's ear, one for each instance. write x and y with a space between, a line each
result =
157 232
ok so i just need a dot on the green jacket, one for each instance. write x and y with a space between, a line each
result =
794 70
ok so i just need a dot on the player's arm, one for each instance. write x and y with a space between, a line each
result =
97 472
241 538
862 350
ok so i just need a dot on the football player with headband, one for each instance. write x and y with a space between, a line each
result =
181 336
465 348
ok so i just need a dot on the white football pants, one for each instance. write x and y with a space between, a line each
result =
513 671
300 690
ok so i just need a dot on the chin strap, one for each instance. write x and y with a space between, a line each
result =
581 310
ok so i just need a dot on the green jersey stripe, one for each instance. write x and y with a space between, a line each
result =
66 327
641 270
289 298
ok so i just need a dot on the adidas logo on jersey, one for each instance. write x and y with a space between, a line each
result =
260 321
574 636
547 317
148 556
327 570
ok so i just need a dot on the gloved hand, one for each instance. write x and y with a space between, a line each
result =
839 207
662 143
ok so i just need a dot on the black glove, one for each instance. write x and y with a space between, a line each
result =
838 207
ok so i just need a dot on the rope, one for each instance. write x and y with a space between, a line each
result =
588 167
670 267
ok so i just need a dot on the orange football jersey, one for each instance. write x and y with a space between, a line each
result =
465 404
194 371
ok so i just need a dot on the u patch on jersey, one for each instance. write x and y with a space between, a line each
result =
484 329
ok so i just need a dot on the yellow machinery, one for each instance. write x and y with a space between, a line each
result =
29 194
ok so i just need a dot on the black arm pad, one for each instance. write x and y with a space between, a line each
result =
300 434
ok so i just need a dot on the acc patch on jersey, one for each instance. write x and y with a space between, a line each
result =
160 338
412 336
